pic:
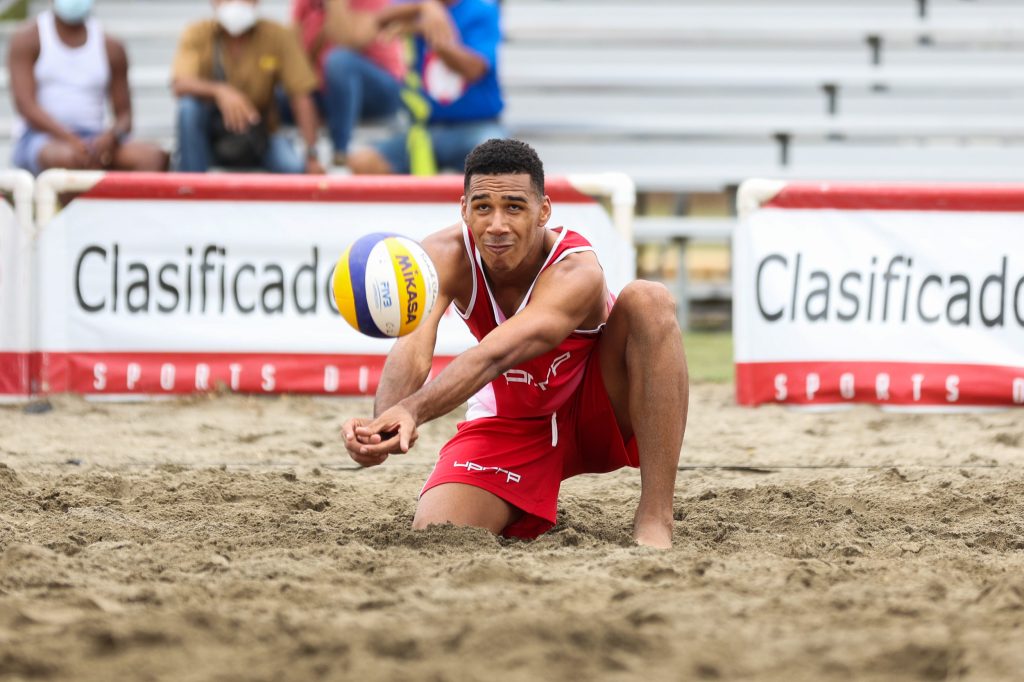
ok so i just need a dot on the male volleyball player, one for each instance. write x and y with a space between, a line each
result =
566 379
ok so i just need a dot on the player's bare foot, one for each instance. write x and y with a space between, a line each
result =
653 532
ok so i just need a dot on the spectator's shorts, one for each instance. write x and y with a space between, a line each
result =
32 141
452 142
524 461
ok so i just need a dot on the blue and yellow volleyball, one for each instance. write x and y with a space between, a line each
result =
385 285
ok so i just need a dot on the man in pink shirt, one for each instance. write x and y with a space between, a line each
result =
360 69
64 71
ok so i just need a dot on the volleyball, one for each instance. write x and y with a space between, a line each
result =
384 285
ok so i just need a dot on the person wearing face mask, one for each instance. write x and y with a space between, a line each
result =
62 70
224 75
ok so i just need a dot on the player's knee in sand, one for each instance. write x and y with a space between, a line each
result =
463 505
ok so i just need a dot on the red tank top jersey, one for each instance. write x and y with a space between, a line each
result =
540 386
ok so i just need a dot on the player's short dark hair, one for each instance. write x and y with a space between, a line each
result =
505 157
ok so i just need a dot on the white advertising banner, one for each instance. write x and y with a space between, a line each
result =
909 296
15 289
216 283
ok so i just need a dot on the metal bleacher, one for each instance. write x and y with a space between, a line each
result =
699 95
696 95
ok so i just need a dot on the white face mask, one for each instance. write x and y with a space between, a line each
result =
72 11
236 16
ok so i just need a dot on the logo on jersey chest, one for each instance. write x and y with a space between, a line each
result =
521 376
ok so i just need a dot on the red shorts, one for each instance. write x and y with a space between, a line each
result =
524 461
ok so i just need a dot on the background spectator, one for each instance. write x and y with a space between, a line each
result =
456 59
225 73
360 69
62 68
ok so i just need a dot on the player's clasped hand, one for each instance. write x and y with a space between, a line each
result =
370 441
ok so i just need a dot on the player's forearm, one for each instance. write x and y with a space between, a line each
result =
403 374
476 368
466 375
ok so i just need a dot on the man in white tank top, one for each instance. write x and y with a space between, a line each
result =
62 69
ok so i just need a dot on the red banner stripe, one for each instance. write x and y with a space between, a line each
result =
181 373
267 187
16 372
890 197
887 383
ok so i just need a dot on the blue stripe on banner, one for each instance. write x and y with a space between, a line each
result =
357 258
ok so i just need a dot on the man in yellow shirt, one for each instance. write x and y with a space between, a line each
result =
224 75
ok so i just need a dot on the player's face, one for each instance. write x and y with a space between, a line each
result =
507 219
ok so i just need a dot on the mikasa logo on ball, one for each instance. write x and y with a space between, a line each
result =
409 274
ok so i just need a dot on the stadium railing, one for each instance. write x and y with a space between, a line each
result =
680 231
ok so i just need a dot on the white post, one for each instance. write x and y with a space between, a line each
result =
48 187
755 192
52 183
17 265
620 191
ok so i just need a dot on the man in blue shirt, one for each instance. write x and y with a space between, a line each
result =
456 60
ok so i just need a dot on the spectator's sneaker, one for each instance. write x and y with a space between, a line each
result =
339 159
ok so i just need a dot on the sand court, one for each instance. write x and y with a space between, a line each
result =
230 538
